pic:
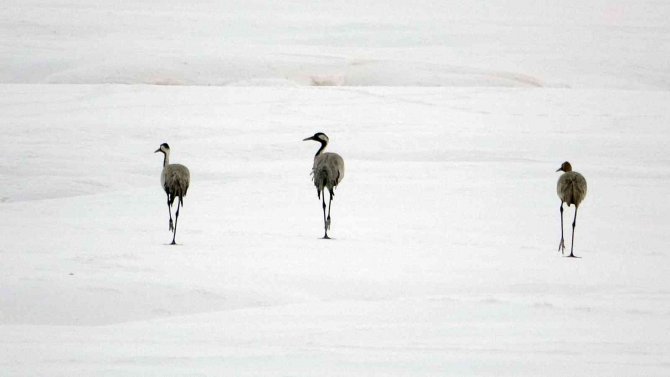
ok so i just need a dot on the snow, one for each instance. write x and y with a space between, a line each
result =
603 43
452 119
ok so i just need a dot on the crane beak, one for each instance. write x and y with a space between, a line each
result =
559 169
308 138
157 150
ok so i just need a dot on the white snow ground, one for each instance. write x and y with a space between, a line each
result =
452 119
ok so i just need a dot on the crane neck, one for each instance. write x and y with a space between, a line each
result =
323 147
166 158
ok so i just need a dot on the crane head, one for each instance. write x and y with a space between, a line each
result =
163 148
566 167
319 136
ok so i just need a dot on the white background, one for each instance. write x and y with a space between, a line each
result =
452 118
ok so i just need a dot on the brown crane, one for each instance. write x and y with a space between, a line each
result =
175 179
571 189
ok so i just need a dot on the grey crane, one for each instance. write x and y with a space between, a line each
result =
175 179
327 172
571 189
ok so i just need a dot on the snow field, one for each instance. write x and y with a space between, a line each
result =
446 230
452 118
521 43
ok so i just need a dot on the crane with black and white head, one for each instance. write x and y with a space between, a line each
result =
175 179
327 172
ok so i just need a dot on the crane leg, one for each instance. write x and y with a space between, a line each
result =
170 212
325 223
330 205
572 245
561 245
176 219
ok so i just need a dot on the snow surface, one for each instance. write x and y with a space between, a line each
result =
452 118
